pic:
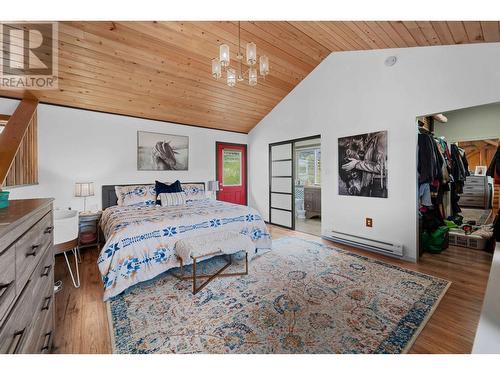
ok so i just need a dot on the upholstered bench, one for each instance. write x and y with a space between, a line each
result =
209 245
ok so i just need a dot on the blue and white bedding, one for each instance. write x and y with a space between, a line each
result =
140 240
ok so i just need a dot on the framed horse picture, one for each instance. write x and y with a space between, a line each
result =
162 152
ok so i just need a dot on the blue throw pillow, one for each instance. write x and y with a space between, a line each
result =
161 187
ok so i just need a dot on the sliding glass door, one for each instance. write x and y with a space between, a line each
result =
281 205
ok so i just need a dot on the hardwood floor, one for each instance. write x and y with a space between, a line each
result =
82 324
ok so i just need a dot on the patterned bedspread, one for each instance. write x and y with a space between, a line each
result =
140 241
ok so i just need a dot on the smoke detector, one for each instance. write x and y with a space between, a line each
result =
391 60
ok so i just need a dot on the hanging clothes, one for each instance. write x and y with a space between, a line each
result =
464 161
494 167
427 162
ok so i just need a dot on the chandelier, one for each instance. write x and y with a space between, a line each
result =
223 63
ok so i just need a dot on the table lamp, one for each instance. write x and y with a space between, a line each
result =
213 186
84 189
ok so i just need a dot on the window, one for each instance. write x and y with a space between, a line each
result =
231 168
308 166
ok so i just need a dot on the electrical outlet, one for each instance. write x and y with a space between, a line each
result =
369 222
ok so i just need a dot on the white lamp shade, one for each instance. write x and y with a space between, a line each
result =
84 189
216 69
231 77
213 186
224 54
264 65
252 76
251 53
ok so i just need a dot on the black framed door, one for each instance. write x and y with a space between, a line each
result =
282 182
281 177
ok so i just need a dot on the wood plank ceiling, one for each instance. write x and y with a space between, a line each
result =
161 70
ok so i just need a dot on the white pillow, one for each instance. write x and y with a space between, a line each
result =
172 199
194 192
136 195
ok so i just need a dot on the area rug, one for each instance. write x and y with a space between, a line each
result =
300 297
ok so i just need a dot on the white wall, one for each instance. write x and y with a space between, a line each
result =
354 92
77 145
471 124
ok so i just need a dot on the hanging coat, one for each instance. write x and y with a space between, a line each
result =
494 168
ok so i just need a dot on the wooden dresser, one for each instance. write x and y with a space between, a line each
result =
476 192
26 277
312 201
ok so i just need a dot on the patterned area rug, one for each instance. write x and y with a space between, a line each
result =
301 297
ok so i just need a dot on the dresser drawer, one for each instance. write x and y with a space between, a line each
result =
30 248
7 280
479 189
472 180
16 328
44 311
471 201
43 277
44 343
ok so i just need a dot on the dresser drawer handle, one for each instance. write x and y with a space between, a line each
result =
4 288
33 252
48 230
46 271
46 341
46 305
16 340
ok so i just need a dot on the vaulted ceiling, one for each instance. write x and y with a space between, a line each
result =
162 70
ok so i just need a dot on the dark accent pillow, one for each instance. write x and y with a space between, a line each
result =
161 187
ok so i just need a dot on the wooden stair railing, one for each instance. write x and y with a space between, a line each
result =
18 146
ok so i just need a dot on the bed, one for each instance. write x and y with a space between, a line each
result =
140 240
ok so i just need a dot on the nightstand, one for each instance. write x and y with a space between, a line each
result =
89 231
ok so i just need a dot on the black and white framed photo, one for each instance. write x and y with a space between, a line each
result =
162 152
363 165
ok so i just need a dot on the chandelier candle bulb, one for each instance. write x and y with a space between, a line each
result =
252 76
231 77
251 53
216 69
264 65
224 55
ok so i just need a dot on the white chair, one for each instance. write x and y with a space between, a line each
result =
66 239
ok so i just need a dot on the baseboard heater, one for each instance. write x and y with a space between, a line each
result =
366 243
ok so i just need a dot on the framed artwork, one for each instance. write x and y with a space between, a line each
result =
481 170
363 165
162 152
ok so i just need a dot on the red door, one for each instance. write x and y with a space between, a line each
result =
232 172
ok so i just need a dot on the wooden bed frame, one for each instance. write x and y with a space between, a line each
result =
109 197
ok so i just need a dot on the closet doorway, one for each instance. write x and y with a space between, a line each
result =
458 181
295 184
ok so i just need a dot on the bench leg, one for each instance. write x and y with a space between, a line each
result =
196 289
